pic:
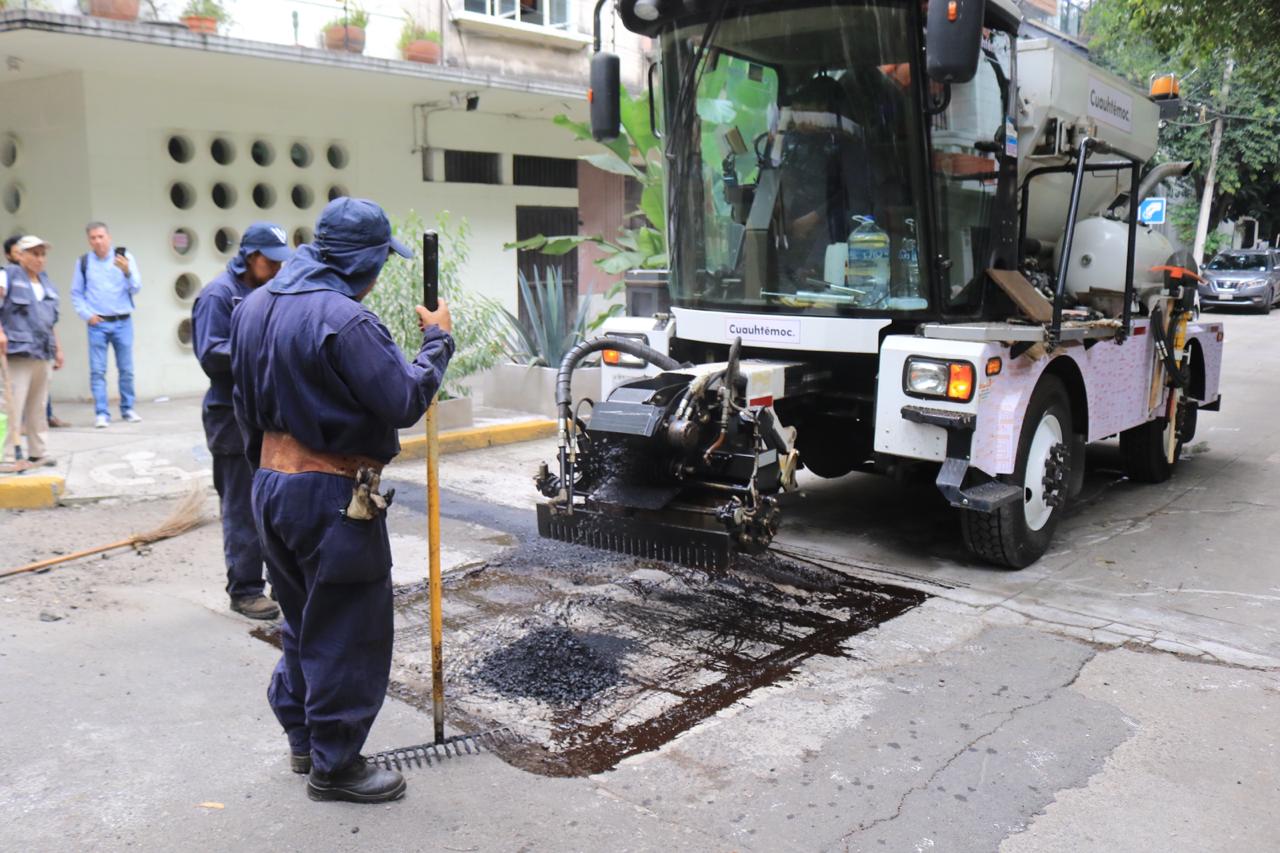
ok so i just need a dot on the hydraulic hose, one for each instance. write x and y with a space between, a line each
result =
564 397
564 379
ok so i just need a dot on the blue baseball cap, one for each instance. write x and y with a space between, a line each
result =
267 239
353 224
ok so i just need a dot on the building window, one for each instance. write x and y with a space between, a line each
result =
472 167
557 14
528 171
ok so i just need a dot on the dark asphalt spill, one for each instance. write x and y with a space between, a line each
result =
593 657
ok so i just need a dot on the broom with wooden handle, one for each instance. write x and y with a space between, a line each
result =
188 515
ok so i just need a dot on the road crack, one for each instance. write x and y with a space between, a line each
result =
1008 717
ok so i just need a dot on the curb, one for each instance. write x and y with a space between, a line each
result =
31 491
478 438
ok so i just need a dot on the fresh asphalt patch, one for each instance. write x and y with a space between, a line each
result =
591 657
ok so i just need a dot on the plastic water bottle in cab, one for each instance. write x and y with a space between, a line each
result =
867 268
909 259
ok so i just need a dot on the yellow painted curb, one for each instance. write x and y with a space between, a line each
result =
31 491
478 438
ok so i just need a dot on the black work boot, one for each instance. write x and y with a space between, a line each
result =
300 762
255 607
358 782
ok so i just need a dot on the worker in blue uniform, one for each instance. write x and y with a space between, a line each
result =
263 248
320 391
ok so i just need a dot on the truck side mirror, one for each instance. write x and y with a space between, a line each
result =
605 97
953 39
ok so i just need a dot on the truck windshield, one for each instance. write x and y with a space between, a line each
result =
795 165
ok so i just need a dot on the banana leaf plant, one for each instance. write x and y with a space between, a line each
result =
637 154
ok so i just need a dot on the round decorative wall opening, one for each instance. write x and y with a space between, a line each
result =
264 196
337 191
8 150
185 287
262 152
300 154
13 196
184 332
301 234
182 241
302 196
337 156
223 151
226 241
224 195
180 149
182 195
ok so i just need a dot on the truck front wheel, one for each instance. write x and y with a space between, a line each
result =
1018 533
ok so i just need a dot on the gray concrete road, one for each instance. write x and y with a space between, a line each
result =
1120 695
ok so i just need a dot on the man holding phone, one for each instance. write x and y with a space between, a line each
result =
102 290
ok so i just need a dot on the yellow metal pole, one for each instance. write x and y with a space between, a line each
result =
434 584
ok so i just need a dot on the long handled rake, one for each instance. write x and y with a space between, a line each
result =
424 754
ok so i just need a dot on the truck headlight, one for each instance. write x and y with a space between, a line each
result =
947 380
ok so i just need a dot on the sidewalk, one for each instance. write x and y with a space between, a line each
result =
165 453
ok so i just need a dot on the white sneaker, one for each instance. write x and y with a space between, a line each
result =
101 422
132 417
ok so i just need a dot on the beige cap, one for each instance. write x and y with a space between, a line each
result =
30 242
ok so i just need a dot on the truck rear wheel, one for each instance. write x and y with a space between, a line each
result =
1142 447
1018 533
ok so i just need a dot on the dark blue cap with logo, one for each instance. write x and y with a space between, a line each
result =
268 239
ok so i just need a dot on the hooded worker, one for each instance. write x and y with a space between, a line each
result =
320 392
263 248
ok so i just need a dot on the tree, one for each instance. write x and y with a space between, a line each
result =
1247 108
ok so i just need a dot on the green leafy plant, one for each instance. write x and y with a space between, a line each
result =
480 324
206 9
354 16
413 31
551 331
637 154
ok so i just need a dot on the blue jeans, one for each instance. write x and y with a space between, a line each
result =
118 334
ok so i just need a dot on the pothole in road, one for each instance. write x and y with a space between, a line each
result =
598 659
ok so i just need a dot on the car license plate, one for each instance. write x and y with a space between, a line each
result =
1226 297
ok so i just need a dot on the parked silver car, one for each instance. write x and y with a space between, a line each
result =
1245 277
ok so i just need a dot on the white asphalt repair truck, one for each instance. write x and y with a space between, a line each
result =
900 234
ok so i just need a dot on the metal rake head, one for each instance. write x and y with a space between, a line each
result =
426 754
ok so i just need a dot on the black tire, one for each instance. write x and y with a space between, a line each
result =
1265 309
1004 537
1142 448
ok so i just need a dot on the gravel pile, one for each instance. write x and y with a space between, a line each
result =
552 665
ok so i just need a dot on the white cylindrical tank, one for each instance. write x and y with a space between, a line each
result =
1099 251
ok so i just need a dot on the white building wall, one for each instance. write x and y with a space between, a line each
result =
99 151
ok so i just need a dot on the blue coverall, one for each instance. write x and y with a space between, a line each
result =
232 474
309 360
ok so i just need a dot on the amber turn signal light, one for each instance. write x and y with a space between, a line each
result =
960 382
994 366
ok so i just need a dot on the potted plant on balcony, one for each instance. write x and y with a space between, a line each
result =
346 32
204 16
419 44
117 10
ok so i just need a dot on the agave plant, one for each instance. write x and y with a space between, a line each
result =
550 332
